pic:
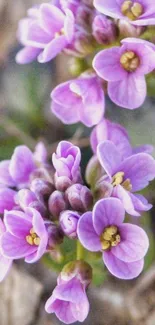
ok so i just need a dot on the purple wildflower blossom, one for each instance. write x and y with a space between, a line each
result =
5 263
77 100
124 68
137 12
127 176
69 300
66 161
25 237
123 245
45 33
107 130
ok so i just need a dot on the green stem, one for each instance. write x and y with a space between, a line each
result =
80 251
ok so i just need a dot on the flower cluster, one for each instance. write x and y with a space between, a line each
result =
44 200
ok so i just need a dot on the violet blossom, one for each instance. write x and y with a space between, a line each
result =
124 68
126 176
44 33
81 99
25 237
107 130
137 12
69 300
123 245
66 162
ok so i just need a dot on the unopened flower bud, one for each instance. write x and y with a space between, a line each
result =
39 206
55 234
40 153
80 269
79 197
57 203
104 30
129 30
68 223
62 183
42 188
94 171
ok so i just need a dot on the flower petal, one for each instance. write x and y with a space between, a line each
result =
17 224
7 199
107 65
86 233
52 49
14 247
27 55
120 269
126 200
107 212
5 265
5 177
140 169
134 243
129 92
109 157
109 8
21 164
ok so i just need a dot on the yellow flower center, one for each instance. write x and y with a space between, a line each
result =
130 61
110 237
118 179
131 9
32 238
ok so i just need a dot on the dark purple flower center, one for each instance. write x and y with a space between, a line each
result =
130 61
131 9
110 237
32 238
118 179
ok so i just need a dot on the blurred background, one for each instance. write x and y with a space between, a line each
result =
26 118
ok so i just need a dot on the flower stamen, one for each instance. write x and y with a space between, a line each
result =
110 238
130 61
132 10
118 179
32 238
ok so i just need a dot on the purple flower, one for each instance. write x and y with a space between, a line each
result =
45 33
126 176
138 12
124 68
25 237
66 161
77 100
69 300
107 130
123 245
5 263
68 222
104 30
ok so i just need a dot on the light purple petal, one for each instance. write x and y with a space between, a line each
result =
5 265
120 269
126 200
107 212
140 203
14 247
27 55
69 25
128 93
17 224
21 164
5 177
36 36
109 8
147 148
65 114
62 310
134 243
53 49
7 199
140 169
86 233
109 157
107 65
51 18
